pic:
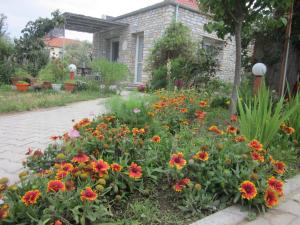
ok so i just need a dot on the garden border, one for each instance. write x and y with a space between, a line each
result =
233 214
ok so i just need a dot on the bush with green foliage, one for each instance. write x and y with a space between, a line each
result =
111 73
188 61
6 62
55 71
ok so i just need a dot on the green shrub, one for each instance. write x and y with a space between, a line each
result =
111 72
55 71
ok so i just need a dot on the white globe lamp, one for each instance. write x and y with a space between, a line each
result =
259 70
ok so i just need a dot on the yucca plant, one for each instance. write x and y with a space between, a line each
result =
260 117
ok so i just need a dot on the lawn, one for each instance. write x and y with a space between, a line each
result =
14 101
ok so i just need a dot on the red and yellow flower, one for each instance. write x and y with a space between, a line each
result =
177 160
240 139
81 158
231 130
276 185
4 209
61 174
155 139
233 117
200 115
88 194
279 167
202 155
31 197
257 157
184 110
203 104
271 198
255 145
116 167
135 171
215 129
178 187
55 186
100 167
248 190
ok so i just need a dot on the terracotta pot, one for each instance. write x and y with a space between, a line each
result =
47 85
69 87
22 87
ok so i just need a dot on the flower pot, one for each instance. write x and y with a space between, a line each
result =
69 87
56 87
47 85
22 87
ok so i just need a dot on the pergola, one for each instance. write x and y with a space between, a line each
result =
87 24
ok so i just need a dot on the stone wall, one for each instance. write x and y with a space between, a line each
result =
152 24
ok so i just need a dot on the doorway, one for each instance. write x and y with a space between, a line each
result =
139 58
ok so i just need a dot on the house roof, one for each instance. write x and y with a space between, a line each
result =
89 24
190 3
57 42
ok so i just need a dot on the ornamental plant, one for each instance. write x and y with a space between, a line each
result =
184 157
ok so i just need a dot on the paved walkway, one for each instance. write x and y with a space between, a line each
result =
20 131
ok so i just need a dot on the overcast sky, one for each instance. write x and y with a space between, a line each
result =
19 12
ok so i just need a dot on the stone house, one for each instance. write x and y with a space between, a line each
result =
55 45
129 38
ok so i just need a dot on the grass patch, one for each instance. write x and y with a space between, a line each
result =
14 101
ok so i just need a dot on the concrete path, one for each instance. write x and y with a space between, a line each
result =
20 131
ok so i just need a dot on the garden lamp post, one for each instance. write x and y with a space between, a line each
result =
72 69
258 70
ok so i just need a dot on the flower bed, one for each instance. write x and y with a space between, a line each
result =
171 161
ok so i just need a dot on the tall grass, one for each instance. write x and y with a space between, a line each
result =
261 117
294 119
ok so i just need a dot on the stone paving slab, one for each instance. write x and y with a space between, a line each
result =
19 131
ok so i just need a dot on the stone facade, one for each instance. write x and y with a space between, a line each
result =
151 22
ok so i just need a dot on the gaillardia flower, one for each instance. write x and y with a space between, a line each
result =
81 158
202 155
178 187
31 197
116 167
100 167
255 145
231 130
177 160
88 194
135 171
55 186
200 115
276 185
240 139
203 104
279 167
155 139
248 190
257 157
271 198
215 129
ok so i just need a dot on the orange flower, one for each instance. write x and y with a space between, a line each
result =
215 129
279 167
100 167
233 117
116 167
288 130
82 123
203 104
200 115
58 222
178 187
136 131
177 160
88 194
276 185
271 198
255 145
135 171
257 157
231 130
155 139
248 190
184 110
61 174
31 197
239 139
67 167
202 155
3 213
70 185
55 186
81 158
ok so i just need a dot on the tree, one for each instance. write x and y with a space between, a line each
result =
232 17
2 25
79 53
30 50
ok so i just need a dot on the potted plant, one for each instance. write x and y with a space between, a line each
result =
69 85
22 86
